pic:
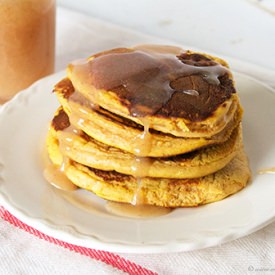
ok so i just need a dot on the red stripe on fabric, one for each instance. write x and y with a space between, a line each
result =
103 256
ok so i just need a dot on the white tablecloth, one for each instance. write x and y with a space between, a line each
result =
23 252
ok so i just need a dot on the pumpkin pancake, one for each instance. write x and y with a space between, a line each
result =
118 187
63 139
148 125
122 133
183 93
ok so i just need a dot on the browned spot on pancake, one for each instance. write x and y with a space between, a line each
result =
82 101
196 108
110 176
65 87
85 136
224 105
179 184
61 121
119 119
196 59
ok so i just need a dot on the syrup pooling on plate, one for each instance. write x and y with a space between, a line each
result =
56 177
152 81
136 211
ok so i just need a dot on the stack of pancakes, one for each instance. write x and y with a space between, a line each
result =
150 125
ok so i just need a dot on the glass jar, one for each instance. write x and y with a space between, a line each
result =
27 43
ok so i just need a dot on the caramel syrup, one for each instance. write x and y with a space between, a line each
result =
56 177
147 79
136 211
54 174
141 164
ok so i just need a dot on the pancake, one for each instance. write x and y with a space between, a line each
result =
164 192
183 93
148 125
122 133
65 140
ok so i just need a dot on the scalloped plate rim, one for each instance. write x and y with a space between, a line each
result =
78 238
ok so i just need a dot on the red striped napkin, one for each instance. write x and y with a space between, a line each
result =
109 258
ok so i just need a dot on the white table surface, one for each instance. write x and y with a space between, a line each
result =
244 29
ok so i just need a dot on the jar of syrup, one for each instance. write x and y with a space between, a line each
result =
27 43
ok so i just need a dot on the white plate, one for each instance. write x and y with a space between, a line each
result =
24 192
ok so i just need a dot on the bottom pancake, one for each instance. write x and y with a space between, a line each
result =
118 187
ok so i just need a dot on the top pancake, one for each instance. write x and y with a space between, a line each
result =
120 132
179 92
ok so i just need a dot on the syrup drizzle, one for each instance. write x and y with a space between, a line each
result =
141 163
144 76
54 174
136 211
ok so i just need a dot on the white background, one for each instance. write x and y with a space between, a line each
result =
244 29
